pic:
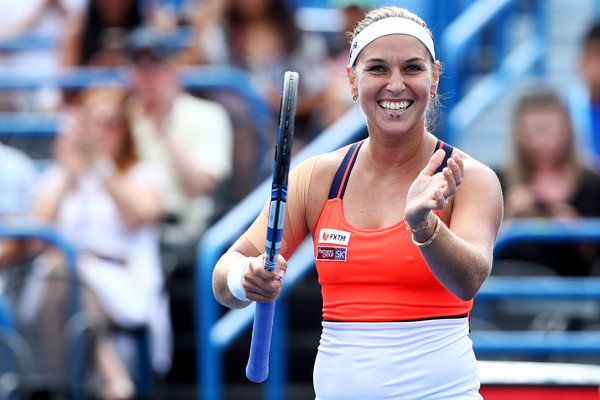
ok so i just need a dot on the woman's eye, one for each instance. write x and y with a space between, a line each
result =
376 68
413 68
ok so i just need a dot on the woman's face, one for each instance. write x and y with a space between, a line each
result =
106 126
394 80
543 135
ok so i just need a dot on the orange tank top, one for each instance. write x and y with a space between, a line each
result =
375 275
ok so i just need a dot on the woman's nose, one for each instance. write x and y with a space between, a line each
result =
396 81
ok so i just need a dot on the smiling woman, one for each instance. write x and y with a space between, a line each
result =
418 219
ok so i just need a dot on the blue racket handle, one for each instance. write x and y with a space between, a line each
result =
257 369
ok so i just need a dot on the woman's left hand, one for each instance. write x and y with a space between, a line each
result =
431 191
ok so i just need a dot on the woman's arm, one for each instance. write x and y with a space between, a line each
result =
461 254
246 256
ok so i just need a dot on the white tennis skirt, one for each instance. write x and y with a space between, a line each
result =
418 360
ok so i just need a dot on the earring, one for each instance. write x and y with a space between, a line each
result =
354 97
433 95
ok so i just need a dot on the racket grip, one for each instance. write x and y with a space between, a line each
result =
257 369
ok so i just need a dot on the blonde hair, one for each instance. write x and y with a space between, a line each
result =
386 12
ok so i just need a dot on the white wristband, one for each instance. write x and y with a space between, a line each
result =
235 277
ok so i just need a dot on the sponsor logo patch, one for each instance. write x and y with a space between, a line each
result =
330 253
333 236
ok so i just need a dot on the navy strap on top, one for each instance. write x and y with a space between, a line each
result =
338 186
448 149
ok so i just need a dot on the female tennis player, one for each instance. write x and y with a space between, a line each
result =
403 226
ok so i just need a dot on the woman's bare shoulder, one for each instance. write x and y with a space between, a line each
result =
322 171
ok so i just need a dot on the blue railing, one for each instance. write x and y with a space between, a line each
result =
49 235
213 77
553 288
509 64
19 358
27 41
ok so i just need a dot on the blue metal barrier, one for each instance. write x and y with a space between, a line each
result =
536 342
546 229
35 41
48 234
549 288
215 335
192 78
20 357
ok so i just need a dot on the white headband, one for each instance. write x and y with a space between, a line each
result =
390 26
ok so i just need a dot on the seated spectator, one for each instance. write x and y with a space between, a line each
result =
548 179
584 99
336 100
188 137
98 36
107 203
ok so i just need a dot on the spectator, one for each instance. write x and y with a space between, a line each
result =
97 37
584 100
107 202
547 179
336 102
261 36
190 138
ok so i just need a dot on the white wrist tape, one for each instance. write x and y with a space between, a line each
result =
235 277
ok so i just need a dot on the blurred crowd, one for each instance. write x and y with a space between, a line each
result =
136 173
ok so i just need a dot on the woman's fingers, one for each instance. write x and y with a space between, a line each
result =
453 175
434 163
263 285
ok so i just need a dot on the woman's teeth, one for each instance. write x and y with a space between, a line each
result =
395 106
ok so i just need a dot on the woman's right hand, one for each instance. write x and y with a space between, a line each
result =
262 285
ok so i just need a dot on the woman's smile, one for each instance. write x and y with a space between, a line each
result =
395 107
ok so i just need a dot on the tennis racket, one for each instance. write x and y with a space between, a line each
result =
257 369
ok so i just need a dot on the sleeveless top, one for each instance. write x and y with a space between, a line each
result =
375 275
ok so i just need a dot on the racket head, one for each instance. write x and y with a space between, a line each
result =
281 166
285 128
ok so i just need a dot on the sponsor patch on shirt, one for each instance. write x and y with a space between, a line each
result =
331 253
333 236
